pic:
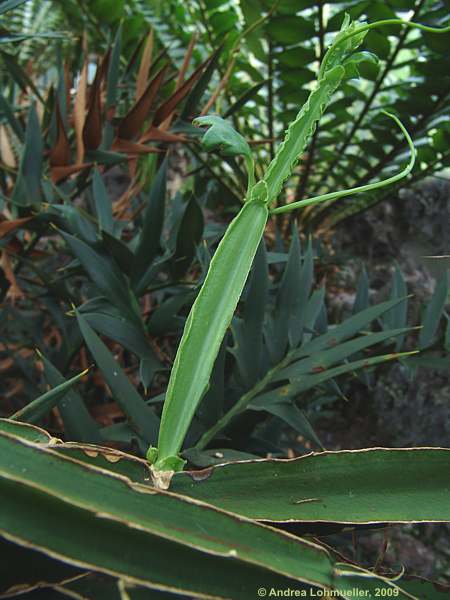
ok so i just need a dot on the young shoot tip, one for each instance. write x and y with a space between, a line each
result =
368 26
363 188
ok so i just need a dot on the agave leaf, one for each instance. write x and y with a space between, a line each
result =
118 249
101 513
95 586
26 431
248 331
345 330
296 418
144 65
40 406
103 205
29 571
133 122
8 226
11 118
150 237
28 191
188 237
141 418
447 334
275 343
430 361
78 423
397 316
192 104
342 486
423 588
92 586
313 309
215 457
105 157
60 152
287 306
105 319
433 313
76 220
92 130
19 74
307 382
362 293
168 106
106 276
110 506
320 361
244 98
298 317
165 317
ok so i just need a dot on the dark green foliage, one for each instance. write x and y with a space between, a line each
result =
354 144
97 251
284 361
100 275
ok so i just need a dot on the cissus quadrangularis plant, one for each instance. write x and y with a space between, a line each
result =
216 302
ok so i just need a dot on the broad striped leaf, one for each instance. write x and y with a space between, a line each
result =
137 532
102 516
25 570
348 486
26 431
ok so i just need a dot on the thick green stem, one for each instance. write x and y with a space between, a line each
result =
205 329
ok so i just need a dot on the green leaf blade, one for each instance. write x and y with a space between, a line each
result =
433 313
207 323
142 419
348 486
40 406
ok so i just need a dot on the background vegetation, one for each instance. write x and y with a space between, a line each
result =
110 213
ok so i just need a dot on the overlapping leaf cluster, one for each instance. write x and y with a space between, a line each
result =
122 536
57 147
